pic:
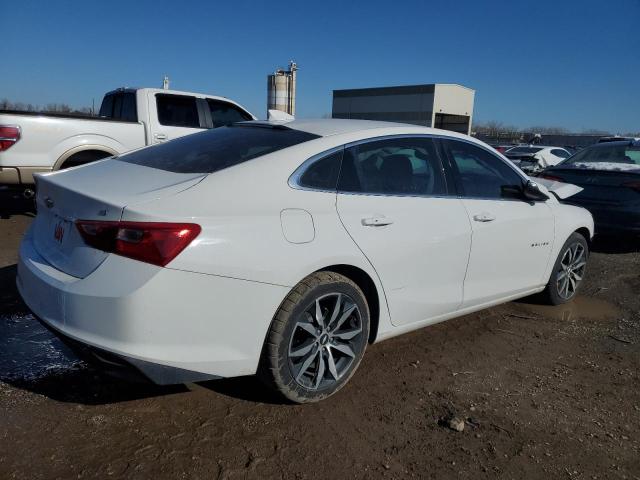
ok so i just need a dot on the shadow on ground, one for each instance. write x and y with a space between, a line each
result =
33 359
616 244
12 203
250 389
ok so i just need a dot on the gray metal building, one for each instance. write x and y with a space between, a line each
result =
439 105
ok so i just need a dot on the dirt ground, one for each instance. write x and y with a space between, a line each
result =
543 393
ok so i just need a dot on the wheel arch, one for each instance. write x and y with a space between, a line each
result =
368 287
584 231
84 150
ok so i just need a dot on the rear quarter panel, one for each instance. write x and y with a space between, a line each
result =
240 209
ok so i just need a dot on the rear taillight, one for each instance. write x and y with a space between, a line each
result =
150 242
8 137
549 176
634 185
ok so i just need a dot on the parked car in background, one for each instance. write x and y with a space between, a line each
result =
285 248
534 158
616 138
128 119
609 174
502 148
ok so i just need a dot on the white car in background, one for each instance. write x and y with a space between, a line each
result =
283 249
535 158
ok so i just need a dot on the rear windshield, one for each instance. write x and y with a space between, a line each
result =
607 156
524 150
216 149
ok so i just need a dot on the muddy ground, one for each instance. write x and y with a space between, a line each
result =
544 393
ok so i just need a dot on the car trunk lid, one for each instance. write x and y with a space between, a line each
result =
99 191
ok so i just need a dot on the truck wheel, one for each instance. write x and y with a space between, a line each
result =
84 157
317 338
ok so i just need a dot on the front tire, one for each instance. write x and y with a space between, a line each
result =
568 271
317 338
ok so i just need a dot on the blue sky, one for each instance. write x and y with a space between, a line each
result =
574 64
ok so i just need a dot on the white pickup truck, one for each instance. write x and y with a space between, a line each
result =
129 119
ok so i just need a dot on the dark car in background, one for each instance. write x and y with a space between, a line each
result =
609 174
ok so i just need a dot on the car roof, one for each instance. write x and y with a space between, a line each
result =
326 127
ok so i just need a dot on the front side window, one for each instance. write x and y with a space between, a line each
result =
177 111
481 174
223 113
216 149
404 166
558 152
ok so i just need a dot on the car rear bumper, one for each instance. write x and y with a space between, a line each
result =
172 326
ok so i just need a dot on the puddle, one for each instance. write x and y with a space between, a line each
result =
28 351
587 308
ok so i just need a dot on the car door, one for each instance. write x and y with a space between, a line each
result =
512 238
175 116
394 201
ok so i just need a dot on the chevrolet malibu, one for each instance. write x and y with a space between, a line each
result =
285 248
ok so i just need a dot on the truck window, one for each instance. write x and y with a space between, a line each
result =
129 108
106 109
223 113
177 111
120 106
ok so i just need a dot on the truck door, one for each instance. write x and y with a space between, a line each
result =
173 116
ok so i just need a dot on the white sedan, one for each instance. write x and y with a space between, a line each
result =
283 249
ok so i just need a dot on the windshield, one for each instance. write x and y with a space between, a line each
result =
216 149
607 156
524 150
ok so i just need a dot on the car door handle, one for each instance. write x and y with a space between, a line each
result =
160 136
484 217
377 221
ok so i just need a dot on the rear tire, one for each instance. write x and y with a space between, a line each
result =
317 338
84 157
568 271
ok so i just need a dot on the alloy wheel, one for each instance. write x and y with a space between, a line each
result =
571 270
325 341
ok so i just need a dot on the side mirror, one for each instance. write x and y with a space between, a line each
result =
532 192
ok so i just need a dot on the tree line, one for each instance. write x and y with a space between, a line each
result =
499 129
5 104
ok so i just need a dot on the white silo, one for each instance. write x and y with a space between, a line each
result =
281 89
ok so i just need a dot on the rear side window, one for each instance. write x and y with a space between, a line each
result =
120 106
223 113
216 149
129 109
322 174
481 174
177 111
558 152
405 166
